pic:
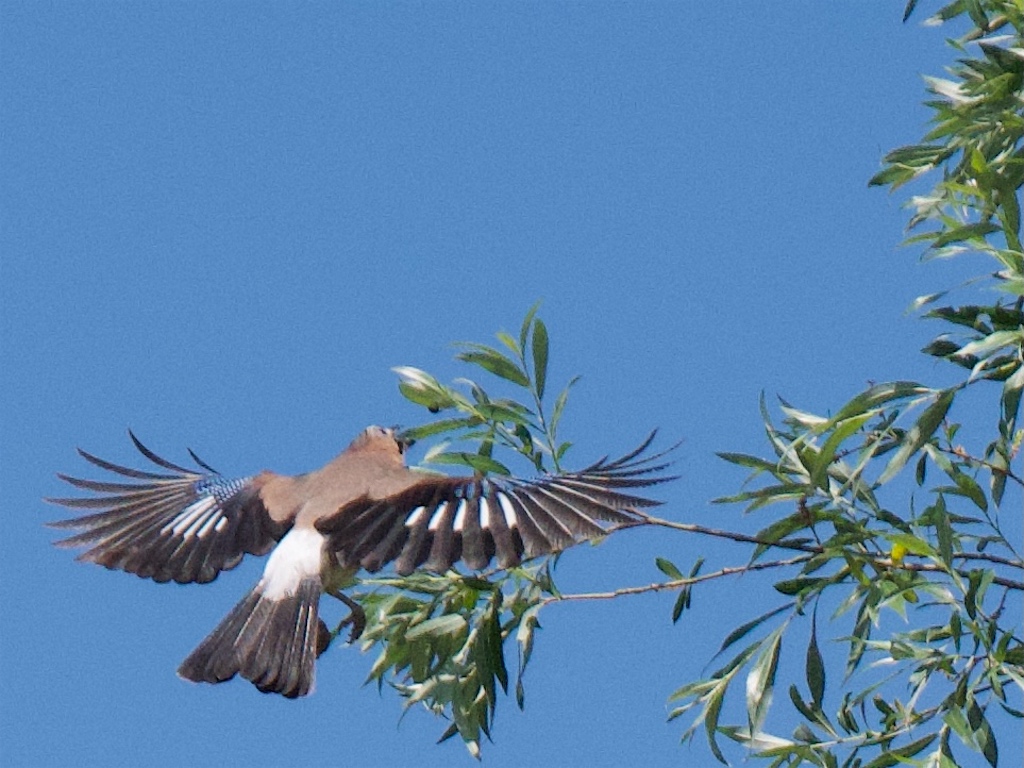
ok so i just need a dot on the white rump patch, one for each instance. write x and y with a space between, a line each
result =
295 558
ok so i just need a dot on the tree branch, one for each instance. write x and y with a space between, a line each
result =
815 550
731 535
960 453
676 583
989 559
933 568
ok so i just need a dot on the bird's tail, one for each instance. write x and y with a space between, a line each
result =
272 641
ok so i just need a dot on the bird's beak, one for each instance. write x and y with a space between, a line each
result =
404 441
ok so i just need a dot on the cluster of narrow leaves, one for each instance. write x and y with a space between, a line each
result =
916 570
949 562
441 641
484 421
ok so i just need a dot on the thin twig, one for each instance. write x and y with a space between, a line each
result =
933 568
988 558
962 454
731 535
676 583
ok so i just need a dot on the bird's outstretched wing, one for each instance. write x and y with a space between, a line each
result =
438 521
187 526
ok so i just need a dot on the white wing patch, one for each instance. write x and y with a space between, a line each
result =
435 519
211 523
460 516
452 514
417 515
506 507
194 518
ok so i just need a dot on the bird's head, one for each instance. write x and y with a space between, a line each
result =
376 438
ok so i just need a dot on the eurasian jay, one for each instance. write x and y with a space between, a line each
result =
362 510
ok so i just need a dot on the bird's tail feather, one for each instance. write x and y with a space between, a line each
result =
271 642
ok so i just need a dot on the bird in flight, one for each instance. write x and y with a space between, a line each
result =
361 511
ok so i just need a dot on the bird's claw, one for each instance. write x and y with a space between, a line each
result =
356 617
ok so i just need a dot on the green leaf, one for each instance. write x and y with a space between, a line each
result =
670 570
761 681
440 426
983 735
902 755
746 460
540 356
968 487
509 342
920 471
782 529
528 623
524 330
919 434
683 600
990 343
482 464
978 582
878 395
711 713
493 361
1013 387
801 584
450 624
815 665
800 704
997 483
744 629
843 430
943 532
492 636
682 603
560 401
423 389
764 496
941 347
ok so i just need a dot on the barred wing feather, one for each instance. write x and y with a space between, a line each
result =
183 525
440 521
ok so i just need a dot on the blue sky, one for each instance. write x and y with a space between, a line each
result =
223 223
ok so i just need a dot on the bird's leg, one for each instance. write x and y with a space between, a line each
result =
356 617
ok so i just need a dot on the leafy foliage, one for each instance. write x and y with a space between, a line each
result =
442 641
873 554
487 421
892 530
